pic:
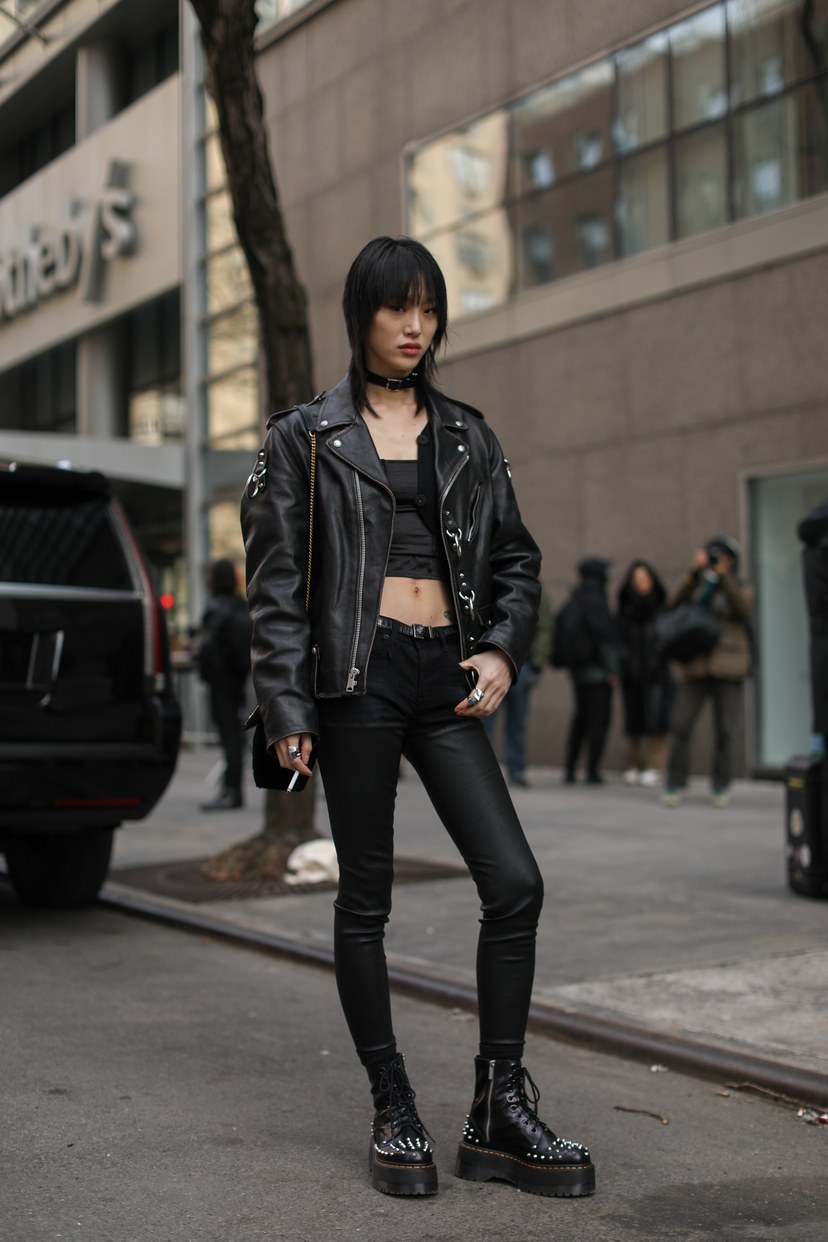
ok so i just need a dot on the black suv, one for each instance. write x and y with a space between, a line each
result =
89 727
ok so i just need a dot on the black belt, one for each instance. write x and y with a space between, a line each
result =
417 631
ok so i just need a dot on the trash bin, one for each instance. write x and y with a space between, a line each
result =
806 820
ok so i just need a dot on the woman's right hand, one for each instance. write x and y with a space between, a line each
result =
300 764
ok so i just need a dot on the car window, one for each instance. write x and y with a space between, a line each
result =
70 542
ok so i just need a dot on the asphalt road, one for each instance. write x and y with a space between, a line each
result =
162 1087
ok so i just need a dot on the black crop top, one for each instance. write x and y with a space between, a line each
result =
415 551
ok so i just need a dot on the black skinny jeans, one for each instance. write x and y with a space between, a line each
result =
413 686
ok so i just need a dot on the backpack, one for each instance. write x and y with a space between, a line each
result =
572 641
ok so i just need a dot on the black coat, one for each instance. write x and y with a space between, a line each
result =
646 682
813 531
493 562
223 654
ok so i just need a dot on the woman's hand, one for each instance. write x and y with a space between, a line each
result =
304 742
495 674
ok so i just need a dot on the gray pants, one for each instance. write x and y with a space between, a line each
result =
726 697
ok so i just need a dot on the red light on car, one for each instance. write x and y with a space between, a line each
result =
167 601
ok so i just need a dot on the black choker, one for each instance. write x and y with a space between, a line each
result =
393 385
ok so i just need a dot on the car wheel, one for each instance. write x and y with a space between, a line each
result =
59 869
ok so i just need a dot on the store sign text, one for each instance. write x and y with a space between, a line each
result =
54 260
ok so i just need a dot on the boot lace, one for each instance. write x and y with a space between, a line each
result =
402 1110
518 1089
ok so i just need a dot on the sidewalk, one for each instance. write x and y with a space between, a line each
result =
675 921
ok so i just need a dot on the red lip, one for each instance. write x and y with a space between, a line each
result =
410 349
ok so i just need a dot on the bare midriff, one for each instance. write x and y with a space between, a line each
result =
417 601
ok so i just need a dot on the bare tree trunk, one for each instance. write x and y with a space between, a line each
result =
227 31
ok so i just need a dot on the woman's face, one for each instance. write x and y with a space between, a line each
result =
642 580
398 338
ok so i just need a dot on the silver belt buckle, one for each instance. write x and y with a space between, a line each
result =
419 630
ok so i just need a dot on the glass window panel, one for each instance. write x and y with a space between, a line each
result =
228 280
563 231
775 43
218 213
157 415
233 339
233 409
698 47
641 115
457 176
780 153
562 129
642 208
701 181
476 261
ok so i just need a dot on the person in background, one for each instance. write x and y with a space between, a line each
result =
646 682
712 582
515 707
592 660
223 659
813 531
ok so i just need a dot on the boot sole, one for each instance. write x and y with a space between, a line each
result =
397 1179
476 1164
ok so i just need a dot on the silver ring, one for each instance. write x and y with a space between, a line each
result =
475 697
294 752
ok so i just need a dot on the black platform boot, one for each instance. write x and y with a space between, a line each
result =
504 1137
400 1159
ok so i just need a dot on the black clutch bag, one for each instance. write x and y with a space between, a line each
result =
268 772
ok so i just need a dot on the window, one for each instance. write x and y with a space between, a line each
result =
780 151
37 148
41 394
701 181
155 404
643 203
641 116
698 54
152 62
715 118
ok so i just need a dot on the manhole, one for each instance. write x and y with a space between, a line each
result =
184 880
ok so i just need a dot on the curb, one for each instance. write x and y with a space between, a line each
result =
608 1035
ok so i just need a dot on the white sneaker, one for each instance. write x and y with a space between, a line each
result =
671 797
720 797
631 776
651 777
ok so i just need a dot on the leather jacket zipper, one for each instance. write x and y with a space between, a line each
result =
353 672
455 597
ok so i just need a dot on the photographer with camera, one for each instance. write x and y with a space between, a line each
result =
712 583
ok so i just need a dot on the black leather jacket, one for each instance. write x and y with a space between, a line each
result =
299 656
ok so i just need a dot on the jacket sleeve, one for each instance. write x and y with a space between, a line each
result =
275 522
515 565
739 596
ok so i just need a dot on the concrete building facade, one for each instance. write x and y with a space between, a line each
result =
630 203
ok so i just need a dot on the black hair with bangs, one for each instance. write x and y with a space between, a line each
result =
391 271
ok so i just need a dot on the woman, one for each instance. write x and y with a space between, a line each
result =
423 603
646 684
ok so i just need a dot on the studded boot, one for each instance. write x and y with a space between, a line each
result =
504 1137
400 1159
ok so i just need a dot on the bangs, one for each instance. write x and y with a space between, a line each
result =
401 278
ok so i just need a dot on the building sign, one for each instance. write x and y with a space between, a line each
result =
75 253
